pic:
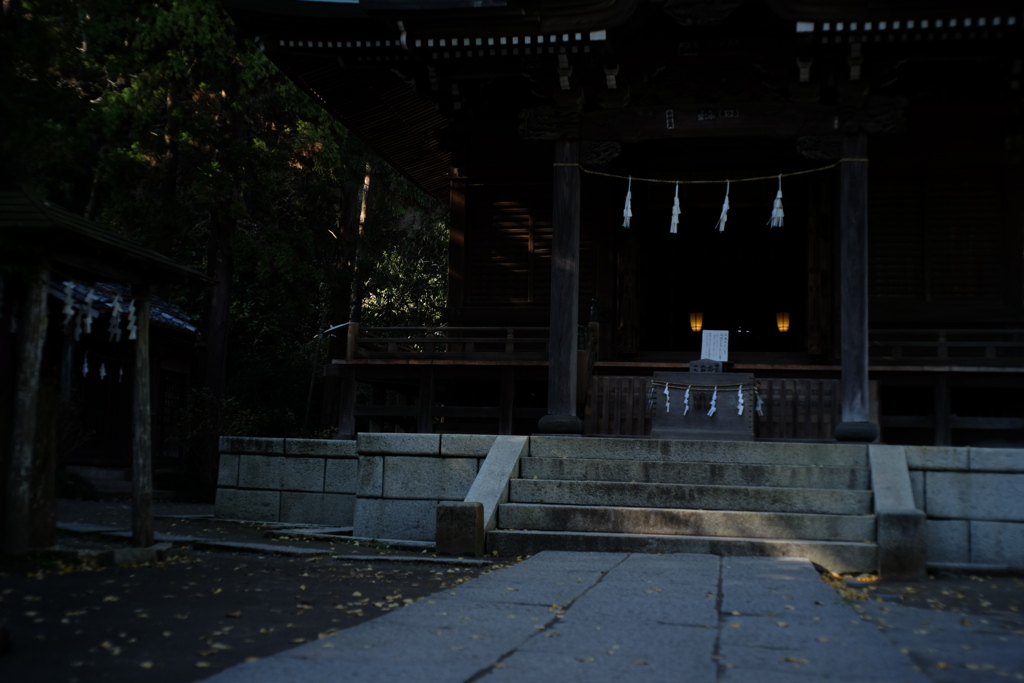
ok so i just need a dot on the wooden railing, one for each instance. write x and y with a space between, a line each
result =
796 409
947 345
456 343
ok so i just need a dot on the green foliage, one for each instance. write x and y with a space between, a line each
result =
157 120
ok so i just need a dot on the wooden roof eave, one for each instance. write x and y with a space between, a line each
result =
80 248
544 15
871 10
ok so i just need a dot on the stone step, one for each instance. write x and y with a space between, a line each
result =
674 496
841 557
753 452
660 472
626 520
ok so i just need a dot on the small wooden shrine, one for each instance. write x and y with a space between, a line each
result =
48 248
836 183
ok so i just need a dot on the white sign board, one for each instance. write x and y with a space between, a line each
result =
715 345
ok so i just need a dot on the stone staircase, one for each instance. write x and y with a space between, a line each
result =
718 497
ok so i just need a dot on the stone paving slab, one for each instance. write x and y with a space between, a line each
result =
563 616
951 646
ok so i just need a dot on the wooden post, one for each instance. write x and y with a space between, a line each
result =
425 402
853 294
456 240
28 363
347 405
142 443
943 423
507 402
565 286
351 336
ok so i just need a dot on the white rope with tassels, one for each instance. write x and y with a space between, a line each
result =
720 226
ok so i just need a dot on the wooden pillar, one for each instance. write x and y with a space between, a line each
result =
142 442
347 405
507 403
943 424
456 241
425 402
565 287
853 290
347 402
28 363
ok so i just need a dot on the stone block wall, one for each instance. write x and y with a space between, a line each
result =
974 502
402 477
294 481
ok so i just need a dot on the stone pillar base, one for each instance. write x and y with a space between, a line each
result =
863 432
560 424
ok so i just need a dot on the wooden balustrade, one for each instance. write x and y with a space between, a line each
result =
948 345
456 343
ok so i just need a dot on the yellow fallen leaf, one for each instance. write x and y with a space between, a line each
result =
298 640
823 639
965 622
202 665
584 659
111 598
941 665
734 625
146 665
795 660
251 658
640 662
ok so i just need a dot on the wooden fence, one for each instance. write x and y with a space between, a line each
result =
798 409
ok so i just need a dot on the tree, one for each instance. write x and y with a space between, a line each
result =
157 120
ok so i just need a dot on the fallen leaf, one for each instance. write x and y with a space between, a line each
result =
111 598
234 615
251 658
202 665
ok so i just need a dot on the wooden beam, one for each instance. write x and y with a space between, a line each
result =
853 291
782 120
565 287
28 362
142 442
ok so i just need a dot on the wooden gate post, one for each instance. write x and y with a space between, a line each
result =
28 363
853 290
142 442
565 287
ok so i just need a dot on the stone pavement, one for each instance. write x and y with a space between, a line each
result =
564 616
